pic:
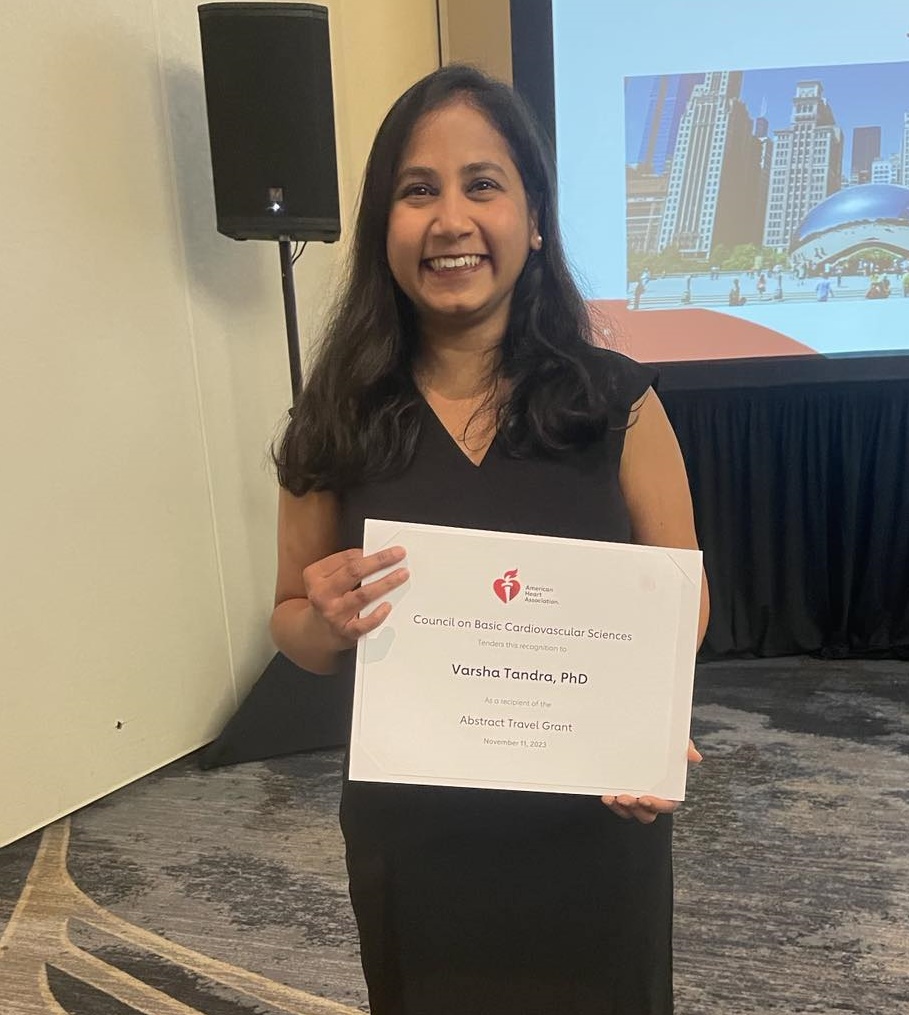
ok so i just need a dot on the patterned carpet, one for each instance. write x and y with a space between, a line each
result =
223 892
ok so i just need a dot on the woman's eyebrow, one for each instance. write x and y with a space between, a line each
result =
483 167
426 172
409 172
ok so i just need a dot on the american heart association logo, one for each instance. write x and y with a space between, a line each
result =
508 586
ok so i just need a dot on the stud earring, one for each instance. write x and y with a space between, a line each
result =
537 242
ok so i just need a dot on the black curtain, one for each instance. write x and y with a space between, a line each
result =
801 498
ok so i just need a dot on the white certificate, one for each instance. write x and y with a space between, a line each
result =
529 663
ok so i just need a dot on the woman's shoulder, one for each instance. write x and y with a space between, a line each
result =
624 379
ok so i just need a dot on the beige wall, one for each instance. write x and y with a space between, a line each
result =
142 375
477 32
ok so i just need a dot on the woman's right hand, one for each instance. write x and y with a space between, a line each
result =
336 593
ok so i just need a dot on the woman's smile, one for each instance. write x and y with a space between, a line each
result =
454 264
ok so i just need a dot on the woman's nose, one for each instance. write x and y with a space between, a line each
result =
453 219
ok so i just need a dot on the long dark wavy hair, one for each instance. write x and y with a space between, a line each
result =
358 416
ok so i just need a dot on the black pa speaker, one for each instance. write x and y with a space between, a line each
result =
271 120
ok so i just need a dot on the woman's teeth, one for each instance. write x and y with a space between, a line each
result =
448 263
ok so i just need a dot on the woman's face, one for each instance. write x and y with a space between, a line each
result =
459 228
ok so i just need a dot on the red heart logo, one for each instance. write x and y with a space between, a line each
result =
508 586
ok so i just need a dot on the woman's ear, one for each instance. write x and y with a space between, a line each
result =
536 238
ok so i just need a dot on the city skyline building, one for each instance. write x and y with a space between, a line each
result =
866 147
714 181
645 199
765 163
904 152
668 100
886 170
806 166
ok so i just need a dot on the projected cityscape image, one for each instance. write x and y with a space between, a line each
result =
759 187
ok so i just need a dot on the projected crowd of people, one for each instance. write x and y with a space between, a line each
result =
716 286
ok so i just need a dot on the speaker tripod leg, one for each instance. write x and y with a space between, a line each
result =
290 316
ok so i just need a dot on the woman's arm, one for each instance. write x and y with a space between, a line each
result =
655 486
318 597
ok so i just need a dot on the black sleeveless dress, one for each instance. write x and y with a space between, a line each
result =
483 901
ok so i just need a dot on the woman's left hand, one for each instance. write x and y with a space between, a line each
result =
646 808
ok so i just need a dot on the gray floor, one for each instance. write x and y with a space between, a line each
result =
225 890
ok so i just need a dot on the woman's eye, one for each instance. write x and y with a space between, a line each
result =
484 184
416 190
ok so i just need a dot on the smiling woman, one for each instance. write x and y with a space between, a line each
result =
458 386
372 359
460 227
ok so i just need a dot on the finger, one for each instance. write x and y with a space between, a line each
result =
636 810
647 809
340 610
344 571
326 590
356 627
356 568
355 601
386 557
694 755
344 615
617 808
327 566
657 805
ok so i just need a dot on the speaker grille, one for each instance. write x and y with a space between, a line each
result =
271 120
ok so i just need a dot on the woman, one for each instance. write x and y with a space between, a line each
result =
457 385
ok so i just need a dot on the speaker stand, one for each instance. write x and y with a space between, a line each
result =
288 710
290 317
